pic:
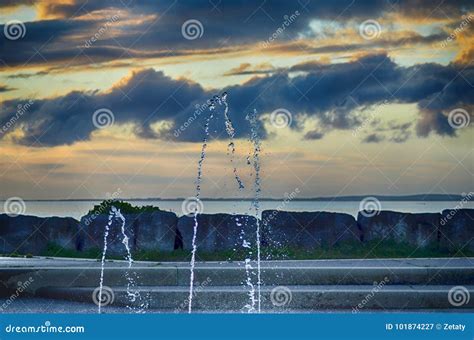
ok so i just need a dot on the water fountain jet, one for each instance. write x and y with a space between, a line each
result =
132 293
222 100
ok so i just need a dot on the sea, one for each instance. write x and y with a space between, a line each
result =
77 209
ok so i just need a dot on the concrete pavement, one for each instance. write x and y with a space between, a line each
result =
314 285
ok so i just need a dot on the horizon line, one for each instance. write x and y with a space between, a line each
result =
421 197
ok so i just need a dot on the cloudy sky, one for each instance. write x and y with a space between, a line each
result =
353 97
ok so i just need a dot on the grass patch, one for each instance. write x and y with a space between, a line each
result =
54 250
356 250
349 250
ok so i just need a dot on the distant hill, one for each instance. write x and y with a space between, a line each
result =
417 197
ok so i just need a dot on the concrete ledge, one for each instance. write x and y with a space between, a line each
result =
84 273
313 285
313 298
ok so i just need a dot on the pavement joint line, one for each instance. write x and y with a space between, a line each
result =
304 289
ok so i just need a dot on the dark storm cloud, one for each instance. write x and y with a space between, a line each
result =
5 88
458 93
226 24
327 94
313 135
44 42
400 136
434 121
147 97
373 138
16 3
431 9
324 9
400 132
239 8
411 38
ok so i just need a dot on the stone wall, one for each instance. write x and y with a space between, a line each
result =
308 230
457 229
146 231
420 230
164 231
218 231
31 235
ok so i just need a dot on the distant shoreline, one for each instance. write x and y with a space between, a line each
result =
404 198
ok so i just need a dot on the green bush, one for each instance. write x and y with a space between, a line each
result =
125 208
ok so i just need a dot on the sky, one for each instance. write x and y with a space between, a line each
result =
352 97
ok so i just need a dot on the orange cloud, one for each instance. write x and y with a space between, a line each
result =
464 35
53 9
